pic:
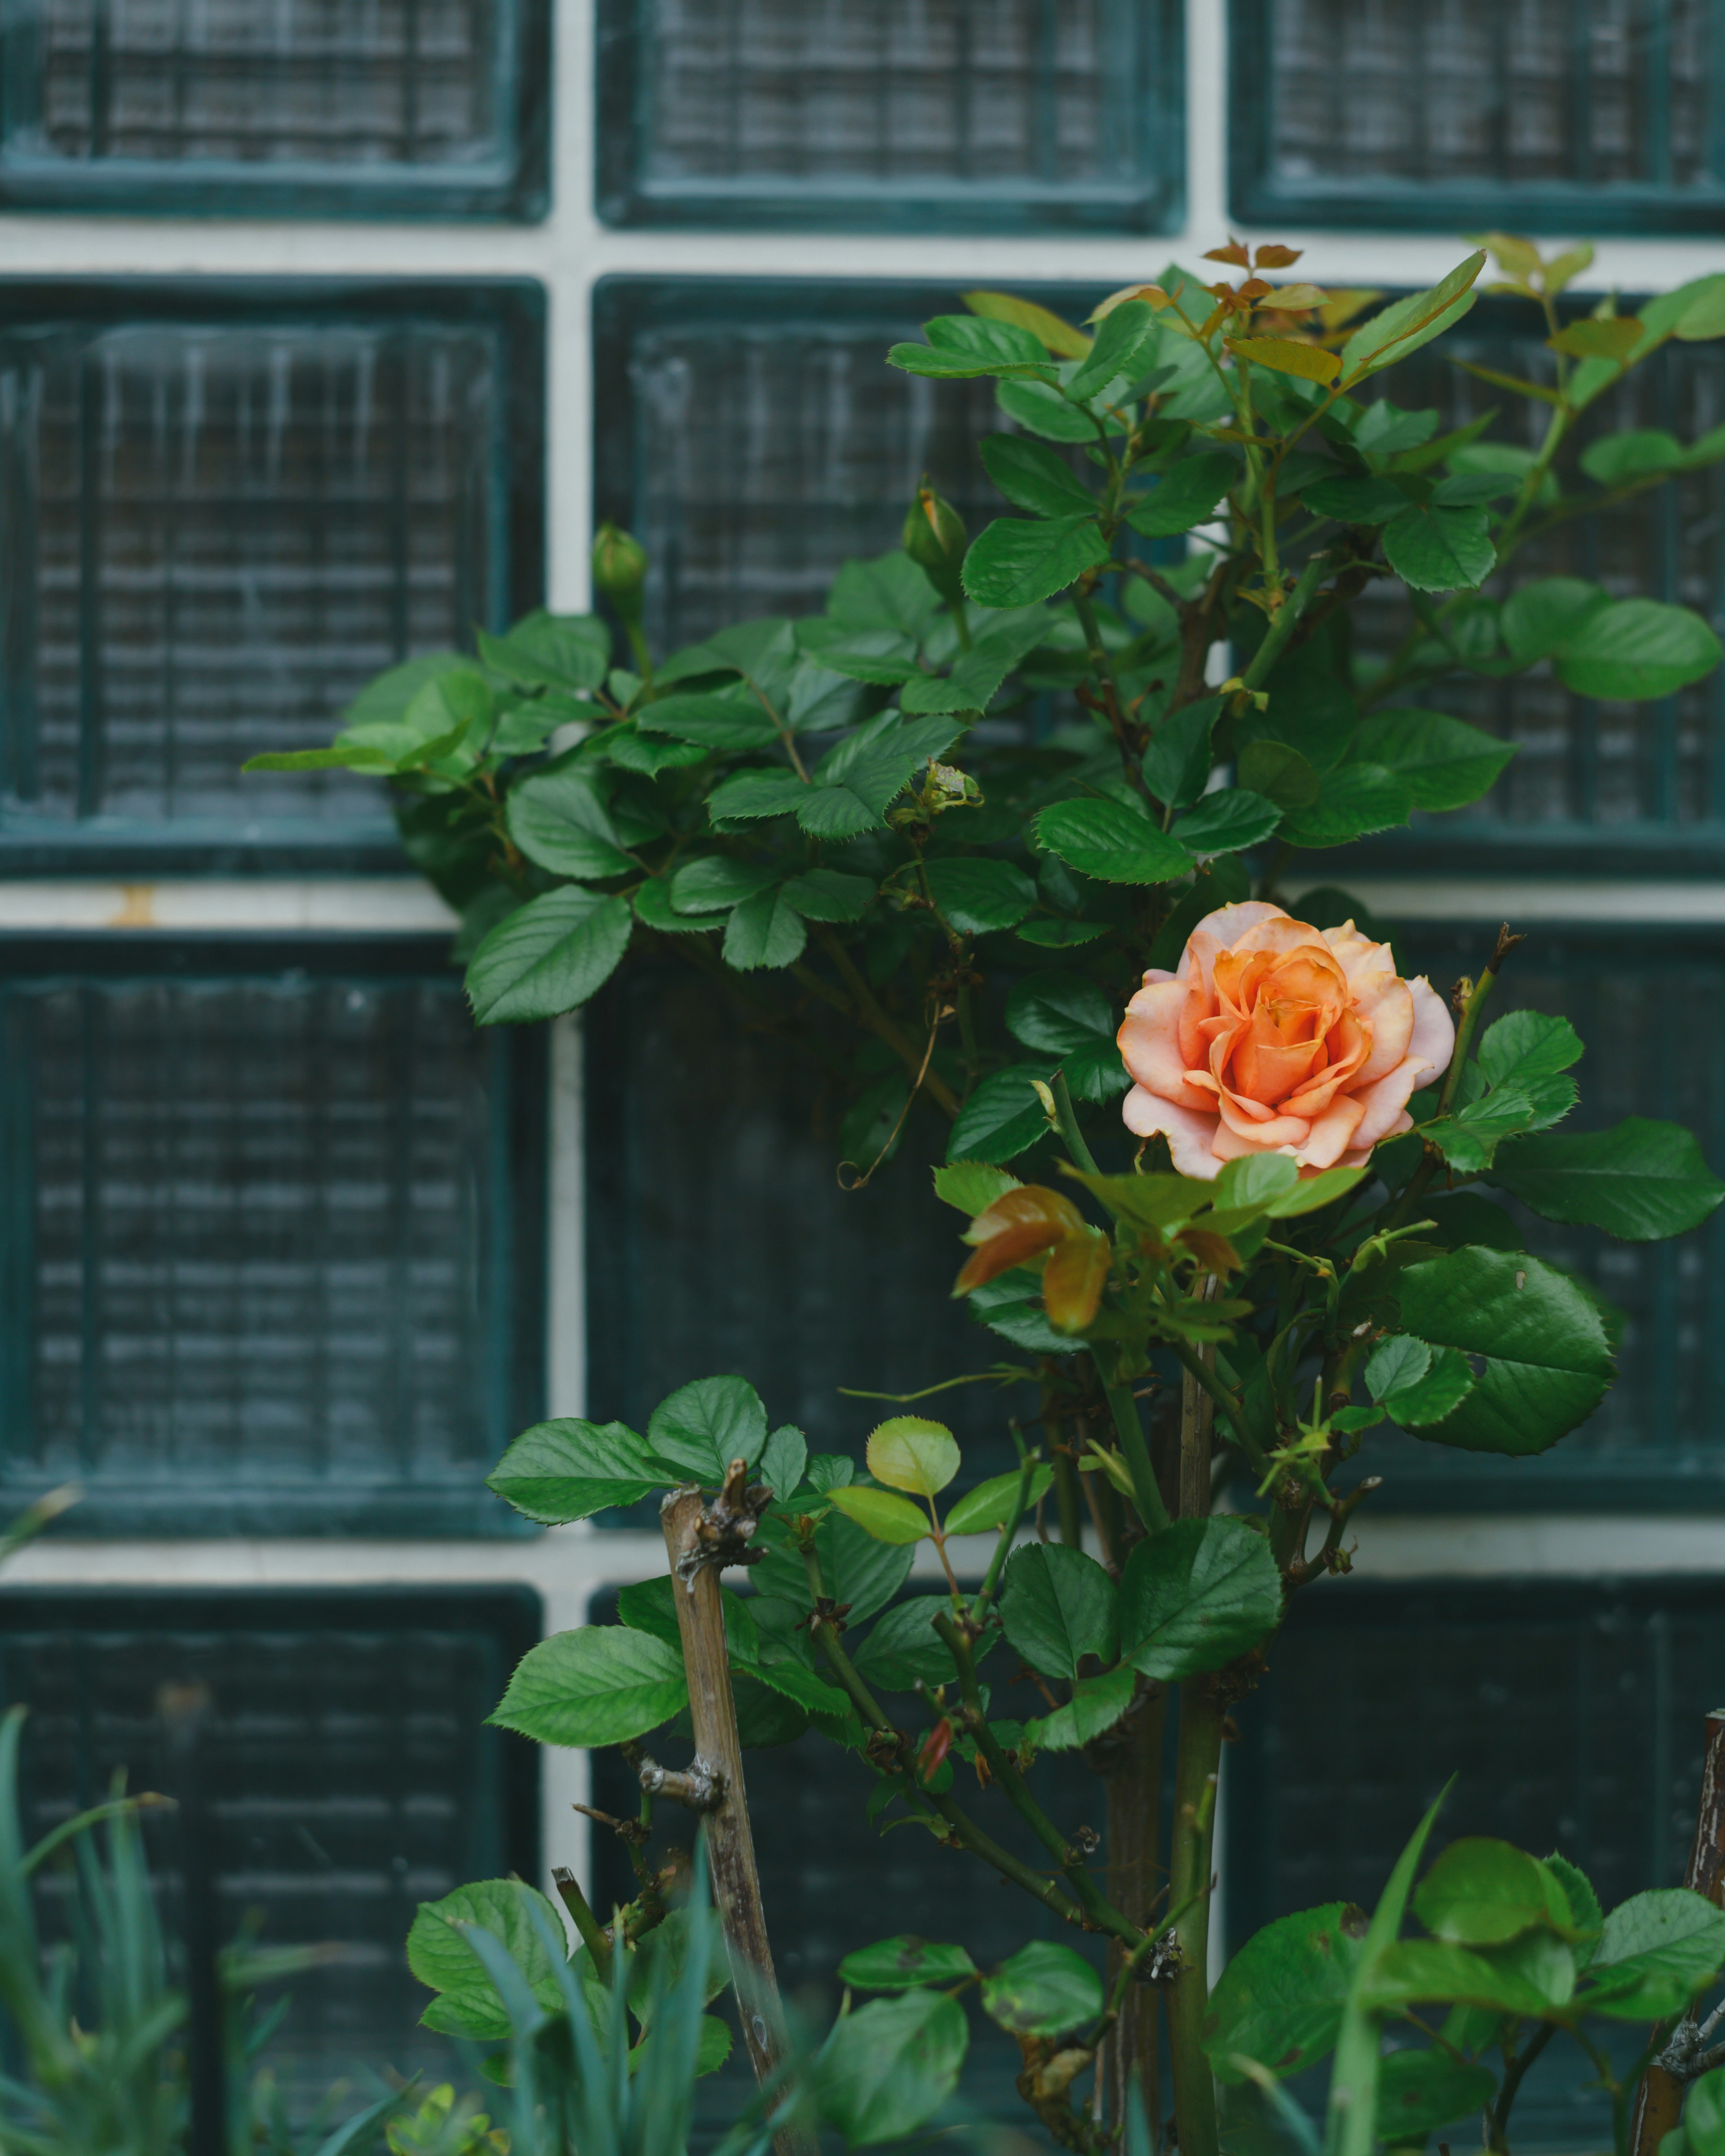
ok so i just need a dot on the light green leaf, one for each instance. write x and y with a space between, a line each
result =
1636 455
602 1684
783 1459
909 1452
1096 1704
1439 549
1279 2001
878 1512
1543 616
1045 412
890 2065
548 957
1637 649
569 1469
1483 1893
1043 1990
1199 1594
990 1505
1058 1605
1657 1952
1405 325
558 820
703 1427
972 1185
468 2003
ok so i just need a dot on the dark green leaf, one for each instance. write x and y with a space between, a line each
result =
567 651
903 1647
729 722
1197 1595
1702 2132
703 1427
1003 1117
830 895
1034 478
1353 800
888 592
468 2003
1357 500
1043 1990
548 957
1279 774
600 1685
713 882
1187 494
1656 1951
782 1460
1639 1180
1419 2091
558 820
890 2065
1177 763
569 1469
1096 1704
1227 821
1279 2001
1125 348
1446 762
975 894
1116 845
765 930
905 1963
650 1605
1437 549
1058 1605
1045 412
1544 1364
1528 1045
978 672
1483 1893
1637 649
652 902
1015 562
749 794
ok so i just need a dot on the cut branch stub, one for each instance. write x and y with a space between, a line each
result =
1659 2100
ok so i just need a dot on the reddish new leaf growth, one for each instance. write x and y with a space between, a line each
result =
1018 1225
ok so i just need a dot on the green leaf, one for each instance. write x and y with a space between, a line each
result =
1279 773
977 674
355 757
909 1452
1413 1970
1177 763
1438 549
1015 563
1048 330
1045 412
1636 648
1419 2091
855 1567
1058 1605
1703 2128
1001 1119
879 1513
1096 1704
567 651
1364 500
1196 1595
652 902
905 1963
602 1684
1043 1990
714 882
904 1648
1124 349
1585 1915
1116 845
1314 1192
1446 762
783 1459
977 894
1657 1952
1405 325
703 1427
1637 454
972 1185
558 820
1310 362
1541 617
1544 1361
1279 2001
1227 822
650 1605
548 957
1034 478
990 1505
829 895
1639 1180
732 721
750 795
1186 493
765 930
962 344
468 2003
569 1469
1528 1045
1483 1893
1072 1018
890 2065
1353 800
1443 1381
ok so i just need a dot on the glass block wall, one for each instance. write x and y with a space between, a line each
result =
409 107
220 521
271 1234
1551 115
974 115
327 1757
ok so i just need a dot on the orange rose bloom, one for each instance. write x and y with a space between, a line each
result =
1274 1037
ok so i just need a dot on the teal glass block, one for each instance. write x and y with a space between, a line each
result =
305 108
1646 1004
916 115
1571 1714
751 435
272 1230
1594 788
223 508
1546 117
332 1771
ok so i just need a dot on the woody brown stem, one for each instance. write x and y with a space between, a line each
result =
1659 2101
730 1843
1133 1787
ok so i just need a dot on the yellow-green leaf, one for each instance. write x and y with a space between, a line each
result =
1074 1278
1047 328
909 1452
879 1513
1287 355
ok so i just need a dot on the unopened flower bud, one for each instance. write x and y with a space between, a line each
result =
935 540
620 566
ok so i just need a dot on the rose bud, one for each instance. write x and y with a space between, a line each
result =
935 540
1274 1037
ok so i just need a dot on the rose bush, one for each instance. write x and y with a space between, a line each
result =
1272 1036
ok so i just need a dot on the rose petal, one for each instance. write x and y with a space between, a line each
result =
1221 931
1331 1133
1433 1042
1189 1134
1386 1004
1270 1132
1382 1104
1149 1040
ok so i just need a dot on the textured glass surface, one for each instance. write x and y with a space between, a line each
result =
1649 1013
1572 1717
379 97
997 112
332 1768
1632 774
1364 106
217 531
257 1241
754 437
718 1238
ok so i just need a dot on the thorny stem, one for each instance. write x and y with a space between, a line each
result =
591 1931
1514 2074
997 1563
1195 1772
1066 1117
1202 1374
1099 1914
1130 1433
1286 620
1097 653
